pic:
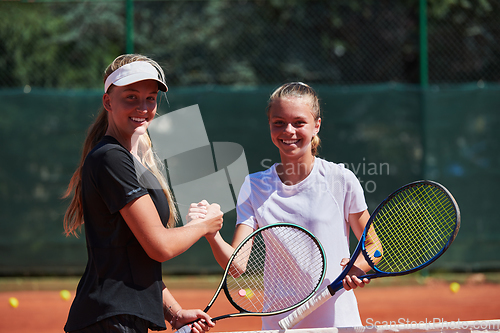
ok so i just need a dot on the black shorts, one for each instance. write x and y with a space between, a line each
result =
117 324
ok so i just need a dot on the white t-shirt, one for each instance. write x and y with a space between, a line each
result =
321 203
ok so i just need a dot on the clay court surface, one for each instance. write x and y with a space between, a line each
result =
44 311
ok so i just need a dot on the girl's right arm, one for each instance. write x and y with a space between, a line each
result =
160 243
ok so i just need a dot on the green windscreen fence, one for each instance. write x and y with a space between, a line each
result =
387 134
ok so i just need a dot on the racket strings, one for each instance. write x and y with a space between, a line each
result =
283 266
417 245
414 246
298 262
274 304
412 228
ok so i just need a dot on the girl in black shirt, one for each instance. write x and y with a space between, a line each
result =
124 201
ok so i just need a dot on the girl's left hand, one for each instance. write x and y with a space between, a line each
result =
202 321
351 281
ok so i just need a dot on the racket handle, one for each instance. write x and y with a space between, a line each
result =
305 309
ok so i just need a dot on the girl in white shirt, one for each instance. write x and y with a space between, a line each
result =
324 197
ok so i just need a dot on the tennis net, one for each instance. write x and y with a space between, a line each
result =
435 325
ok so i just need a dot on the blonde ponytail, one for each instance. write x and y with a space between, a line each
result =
315 143
73 218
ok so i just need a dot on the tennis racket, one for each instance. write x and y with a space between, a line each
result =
409 230
275 269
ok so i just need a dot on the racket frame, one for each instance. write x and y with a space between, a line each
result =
223 284
337 284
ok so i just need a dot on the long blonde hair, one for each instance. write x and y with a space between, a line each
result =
299 90
73 218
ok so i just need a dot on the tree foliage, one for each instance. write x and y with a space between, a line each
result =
68 44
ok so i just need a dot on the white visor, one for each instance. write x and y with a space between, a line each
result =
134 72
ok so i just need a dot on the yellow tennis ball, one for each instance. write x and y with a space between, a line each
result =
454 287
13 302
65 295
249 293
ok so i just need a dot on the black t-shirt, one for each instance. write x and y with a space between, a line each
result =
120 278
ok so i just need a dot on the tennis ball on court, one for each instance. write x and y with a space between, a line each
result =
13 302
65 295
454 287
249 293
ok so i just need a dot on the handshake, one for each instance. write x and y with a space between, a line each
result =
208 215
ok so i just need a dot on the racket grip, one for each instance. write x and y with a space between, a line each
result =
305 309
